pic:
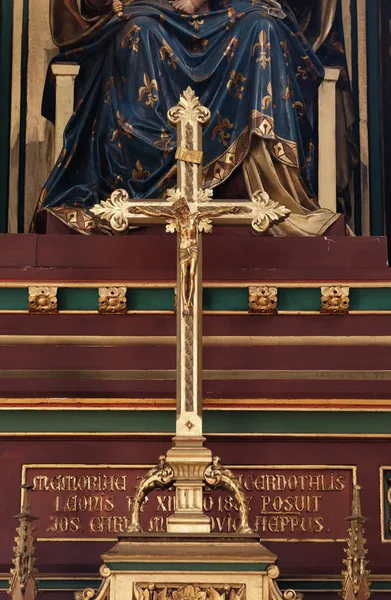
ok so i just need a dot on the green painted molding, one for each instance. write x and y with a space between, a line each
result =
152 422
185 566
219 299
316 585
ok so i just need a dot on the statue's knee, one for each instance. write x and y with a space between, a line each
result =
145 24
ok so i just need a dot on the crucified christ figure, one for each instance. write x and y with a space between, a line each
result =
188 224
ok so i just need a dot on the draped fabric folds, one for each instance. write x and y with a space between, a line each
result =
254 70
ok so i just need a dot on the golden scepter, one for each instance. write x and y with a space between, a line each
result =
118 8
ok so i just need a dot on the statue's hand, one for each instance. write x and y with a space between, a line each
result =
185 6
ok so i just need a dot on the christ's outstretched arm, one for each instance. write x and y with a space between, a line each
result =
212 212
152 211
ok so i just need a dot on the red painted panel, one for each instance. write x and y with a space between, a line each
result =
137 253
318 558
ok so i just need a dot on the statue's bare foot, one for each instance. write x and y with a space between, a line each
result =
185 6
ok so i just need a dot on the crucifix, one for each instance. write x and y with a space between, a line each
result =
189 210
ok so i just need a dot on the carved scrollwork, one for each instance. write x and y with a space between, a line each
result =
104 591
273 573
86 594
218 477
160 477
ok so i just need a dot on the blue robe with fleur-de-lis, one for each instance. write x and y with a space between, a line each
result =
248 63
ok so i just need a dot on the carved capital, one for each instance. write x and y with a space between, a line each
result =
43 300
112 300
262 300
335 300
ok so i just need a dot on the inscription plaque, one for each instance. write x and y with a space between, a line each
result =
287 503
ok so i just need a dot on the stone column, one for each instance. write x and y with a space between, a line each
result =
65 75
327 167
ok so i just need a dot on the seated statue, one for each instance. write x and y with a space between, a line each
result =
248 62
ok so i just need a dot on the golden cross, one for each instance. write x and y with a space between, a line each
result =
189 211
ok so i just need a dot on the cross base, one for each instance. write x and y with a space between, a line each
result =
187 466
189 459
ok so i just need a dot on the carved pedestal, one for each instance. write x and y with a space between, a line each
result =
189 567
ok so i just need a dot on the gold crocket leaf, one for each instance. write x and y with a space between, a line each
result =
174 194
205 225
204 195
266 212
114 210
171 226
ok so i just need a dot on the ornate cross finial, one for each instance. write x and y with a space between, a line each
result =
23 575
356 585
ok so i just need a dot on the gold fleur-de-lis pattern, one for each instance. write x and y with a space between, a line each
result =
196 22
132 38
235 84
122 127
264 48
149 91
268 98
166 52
237 65
166 143
139 172
107 90
219 130
233 17
232 47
